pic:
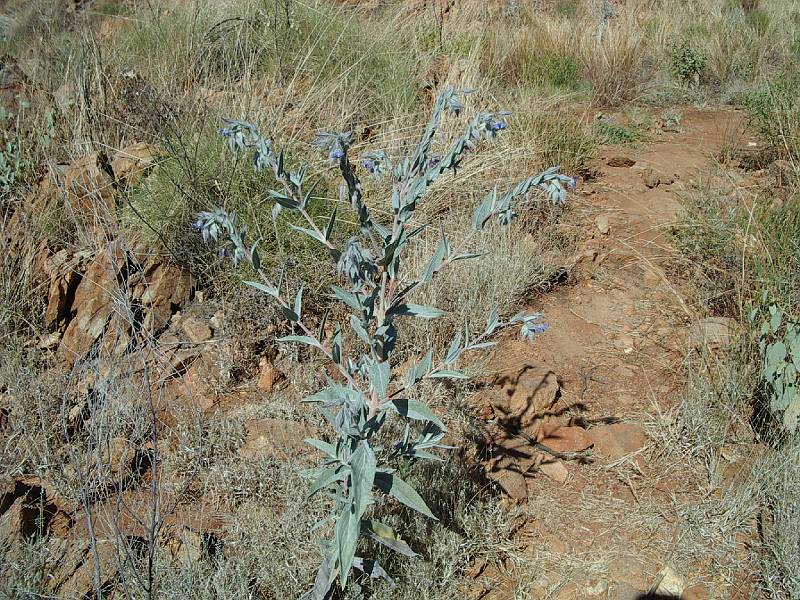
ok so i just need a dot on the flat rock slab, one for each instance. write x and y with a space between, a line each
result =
617 440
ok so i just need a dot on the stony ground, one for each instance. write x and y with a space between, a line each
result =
608 518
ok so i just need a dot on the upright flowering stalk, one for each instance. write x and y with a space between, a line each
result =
354 471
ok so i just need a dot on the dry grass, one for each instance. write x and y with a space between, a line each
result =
165 74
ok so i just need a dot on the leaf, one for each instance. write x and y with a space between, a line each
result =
290 314
436 260
348 298
777 318
283 199
267 288
323 582
256 259
363 467
492 321
416 310
373 569
483 212
303 339
329 226
467 256
402 492
327 477
356 325
420 370
325 447
455 350
379 376
298 303
383 534
310 233
336 346
414 409
444 374
482 345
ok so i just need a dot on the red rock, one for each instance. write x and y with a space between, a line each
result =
268 377
90 190
196 329
696 592
617 440
567 439
130 163
555 470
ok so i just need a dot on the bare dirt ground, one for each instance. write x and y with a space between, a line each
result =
611 517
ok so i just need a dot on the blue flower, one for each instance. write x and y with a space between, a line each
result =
336 153
368 165
498 125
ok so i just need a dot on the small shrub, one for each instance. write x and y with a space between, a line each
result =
758 20
613 61
687 62
554 70
377 293
779 344
608 132
775 112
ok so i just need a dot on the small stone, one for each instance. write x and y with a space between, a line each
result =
129 164
601 222
511 482
651 178
567 439
696 592
617 440
196 329
670 583
598 587
50 341
620 161
217 320
555 470
269 377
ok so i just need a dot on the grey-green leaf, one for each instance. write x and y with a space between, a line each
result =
414 409
398 489
303 339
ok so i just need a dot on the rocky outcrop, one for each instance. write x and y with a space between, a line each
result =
111 295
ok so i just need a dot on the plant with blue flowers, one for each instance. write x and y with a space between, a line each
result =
358 472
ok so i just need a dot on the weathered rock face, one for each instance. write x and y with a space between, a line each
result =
131 163
90 189
108 295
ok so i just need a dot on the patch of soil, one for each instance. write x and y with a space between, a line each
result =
606 522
